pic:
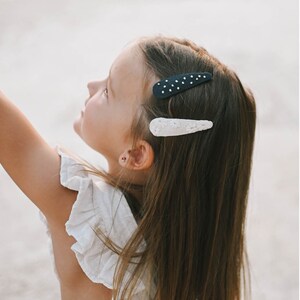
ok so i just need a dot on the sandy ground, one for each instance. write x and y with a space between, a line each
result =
49 50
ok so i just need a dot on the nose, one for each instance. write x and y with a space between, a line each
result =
93 87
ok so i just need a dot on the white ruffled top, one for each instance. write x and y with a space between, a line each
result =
98 205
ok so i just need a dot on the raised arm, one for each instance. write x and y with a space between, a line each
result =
32 163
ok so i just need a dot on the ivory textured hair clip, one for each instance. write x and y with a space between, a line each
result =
174 127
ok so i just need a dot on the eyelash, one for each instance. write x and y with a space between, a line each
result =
105 91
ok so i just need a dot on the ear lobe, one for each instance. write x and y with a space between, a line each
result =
139 159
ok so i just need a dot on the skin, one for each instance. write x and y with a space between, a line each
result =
109 112
31 162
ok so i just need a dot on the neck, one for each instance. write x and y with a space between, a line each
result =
132 176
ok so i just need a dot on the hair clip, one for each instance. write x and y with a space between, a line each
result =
176 84
174 127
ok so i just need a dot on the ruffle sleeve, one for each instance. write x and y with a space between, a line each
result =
98 205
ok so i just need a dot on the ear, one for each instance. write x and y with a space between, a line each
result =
140 158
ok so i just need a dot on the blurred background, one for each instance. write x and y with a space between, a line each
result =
49 50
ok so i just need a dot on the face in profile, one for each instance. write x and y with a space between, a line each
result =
105 121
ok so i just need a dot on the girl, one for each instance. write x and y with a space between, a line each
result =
167 219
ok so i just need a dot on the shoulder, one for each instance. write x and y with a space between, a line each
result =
95 197
98 205
99 212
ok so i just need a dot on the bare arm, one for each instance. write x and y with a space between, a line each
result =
32 163
35 167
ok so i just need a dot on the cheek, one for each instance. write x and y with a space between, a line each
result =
92 124
104 128
86 122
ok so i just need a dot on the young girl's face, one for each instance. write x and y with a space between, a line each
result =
105 121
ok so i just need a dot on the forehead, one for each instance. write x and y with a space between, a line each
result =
127 72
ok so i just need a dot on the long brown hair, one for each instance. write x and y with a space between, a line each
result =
193 211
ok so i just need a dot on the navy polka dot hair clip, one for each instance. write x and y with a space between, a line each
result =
176 84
